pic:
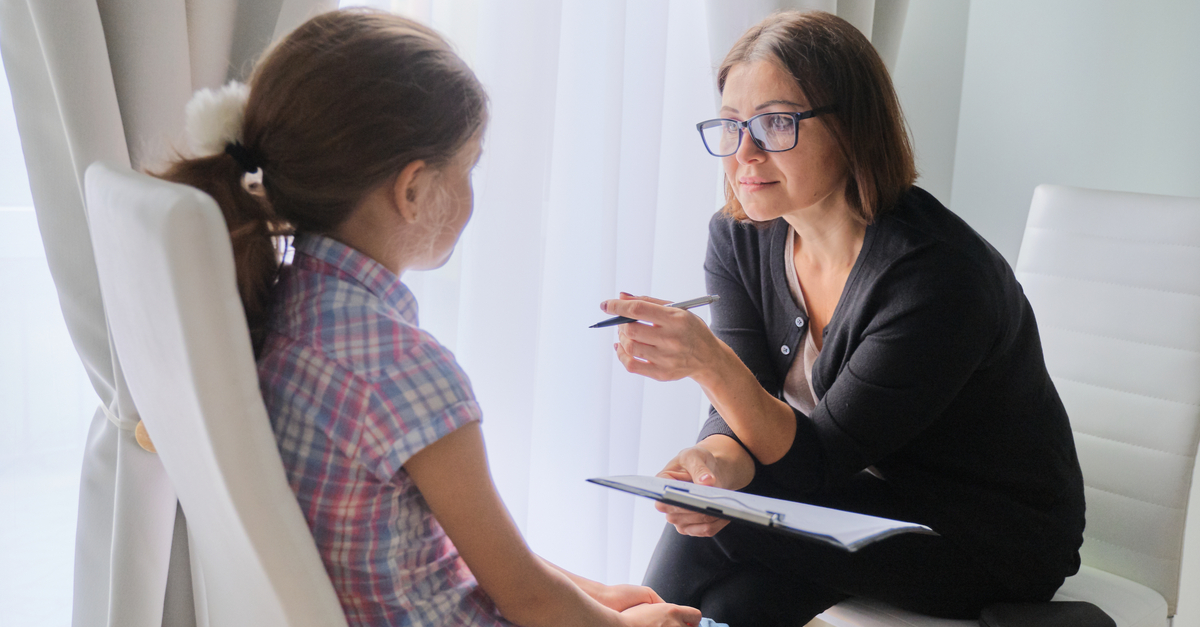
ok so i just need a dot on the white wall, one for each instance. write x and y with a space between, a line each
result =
1099 94
928 76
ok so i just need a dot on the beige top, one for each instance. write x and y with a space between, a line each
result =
797 387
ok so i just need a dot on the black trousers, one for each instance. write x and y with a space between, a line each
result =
750 577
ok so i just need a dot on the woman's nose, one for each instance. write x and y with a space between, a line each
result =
748 151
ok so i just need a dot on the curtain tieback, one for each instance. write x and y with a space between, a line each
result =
139 428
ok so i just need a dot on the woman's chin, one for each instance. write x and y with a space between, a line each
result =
759 212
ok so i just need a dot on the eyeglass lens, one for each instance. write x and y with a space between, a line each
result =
775 132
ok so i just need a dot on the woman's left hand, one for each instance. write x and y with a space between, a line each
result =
672 345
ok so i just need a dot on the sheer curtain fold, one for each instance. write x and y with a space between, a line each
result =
499 301
108 80
593 181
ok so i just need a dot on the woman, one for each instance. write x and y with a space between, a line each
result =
359 132
870 352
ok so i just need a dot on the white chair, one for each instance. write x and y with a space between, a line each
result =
166 274
1114 279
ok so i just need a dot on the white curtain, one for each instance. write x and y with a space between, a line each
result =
593 181
108 80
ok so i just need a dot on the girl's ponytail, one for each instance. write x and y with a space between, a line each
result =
226 171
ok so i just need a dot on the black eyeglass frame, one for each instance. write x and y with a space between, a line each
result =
796 117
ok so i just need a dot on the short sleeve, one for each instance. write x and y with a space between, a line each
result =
424 397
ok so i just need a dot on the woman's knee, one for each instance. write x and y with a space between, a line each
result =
682 567
755 597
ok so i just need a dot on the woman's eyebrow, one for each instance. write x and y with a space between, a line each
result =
775 102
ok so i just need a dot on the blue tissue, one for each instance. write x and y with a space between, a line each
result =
708 622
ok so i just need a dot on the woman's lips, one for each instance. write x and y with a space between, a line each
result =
755 184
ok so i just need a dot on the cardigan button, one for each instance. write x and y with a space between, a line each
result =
784 349
799 321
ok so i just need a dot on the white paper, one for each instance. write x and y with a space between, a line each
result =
847 530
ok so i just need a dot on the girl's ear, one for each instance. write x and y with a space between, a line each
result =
405 191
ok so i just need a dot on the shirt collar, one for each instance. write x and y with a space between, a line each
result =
353 265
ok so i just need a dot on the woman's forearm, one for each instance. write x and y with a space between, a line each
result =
765 424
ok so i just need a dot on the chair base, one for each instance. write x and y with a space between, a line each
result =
1129 604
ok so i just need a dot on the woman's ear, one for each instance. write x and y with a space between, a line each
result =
406 190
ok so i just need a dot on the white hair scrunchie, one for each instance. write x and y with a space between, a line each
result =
213 123
213 118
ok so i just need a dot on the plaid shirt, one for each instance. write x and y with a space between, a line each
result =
354 389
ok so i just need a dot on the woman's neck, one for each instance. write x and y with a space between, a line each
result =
827 236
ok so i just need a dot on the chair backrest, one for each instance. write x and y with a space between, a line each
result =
1114 280
167 277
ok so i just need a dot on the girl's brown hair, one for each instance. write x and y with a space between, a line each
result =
336 109
834 64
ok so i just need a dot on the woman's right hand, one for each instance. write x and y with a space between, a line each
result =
660 615
718 461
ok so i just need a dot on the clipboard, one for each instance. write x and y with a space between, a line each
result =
849 531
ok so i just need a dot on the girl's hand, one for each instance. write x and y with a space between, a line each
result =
624 596
660 615
672 345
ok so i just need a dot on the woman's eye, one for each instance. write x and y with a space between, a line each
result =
731 127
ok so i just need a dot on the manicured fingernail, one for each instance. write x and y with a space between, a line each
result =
705 477
604 306
627 294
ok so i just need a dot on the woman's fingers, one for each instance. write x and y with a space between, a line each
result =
659 348
703 530
699 463
649 299
638 309
689 465
691 523
634 366
645 351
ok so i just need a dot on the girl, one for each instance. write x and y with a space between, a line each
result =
358 134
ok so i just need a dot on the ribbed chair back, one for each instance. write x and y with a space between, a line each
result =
1114 280
167 277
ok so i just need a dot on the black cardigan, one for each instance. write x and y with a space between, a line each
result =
931 370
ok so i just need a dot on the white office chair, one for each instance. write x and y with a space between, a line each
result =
166 274
1114 279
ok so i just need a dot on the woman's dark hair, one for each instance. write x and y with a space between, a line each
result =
336 108
834 64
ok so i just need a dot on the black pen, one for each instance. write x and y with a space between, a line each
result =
687 304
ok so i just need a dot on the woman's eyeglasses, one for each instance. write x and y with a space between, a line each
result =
772 132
